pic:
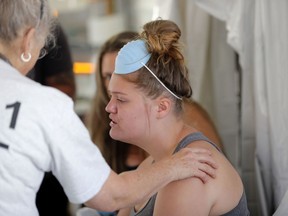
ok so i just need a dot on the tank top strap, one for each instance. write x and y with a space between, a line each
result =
197 136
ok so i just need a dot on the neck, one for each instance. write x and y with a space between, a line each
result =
11 51
166 141
3 57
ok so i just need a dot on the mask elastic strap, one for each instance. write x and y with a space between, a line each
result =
161 82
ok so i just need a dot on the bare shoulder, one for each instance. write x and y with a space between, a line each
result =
189 196
225 191
184 197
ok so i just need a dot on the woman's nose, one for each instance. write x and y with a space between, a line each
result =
111 107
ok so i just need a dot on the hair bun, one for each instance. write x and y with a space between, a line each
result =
161 35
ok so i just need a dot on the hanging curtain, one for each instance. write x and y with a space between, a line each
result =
258 31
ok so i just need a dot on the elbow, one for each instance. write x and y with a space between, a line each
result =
106 206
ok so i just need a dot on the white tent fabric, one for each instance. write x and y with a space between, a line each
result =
258 32
283 207
261 41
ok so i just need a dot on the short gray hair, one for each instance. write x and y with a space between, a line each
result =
16 15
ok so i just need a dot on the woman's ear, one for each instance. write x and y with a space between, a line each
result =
27 41
163 107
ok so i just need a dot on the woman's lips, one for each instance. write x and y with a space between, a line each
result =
112 122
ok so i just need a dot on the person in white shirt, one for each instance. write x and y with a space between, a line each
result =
40 132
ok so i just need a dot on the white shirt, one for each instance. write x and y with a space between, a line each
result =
39 132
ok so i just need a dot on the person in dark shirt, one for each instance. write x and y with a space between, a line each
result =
56 67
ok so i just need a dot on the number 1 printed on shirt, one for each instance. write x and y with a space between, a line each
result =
15 106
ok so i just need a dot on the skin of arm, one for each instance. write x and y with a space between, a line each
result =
124 212
146 163
129 188
185 197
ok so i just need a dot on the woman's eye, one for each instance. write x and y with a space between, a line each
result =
107 77
120 100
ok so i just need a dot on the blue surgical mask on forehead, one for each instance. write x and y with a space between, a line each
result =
131 57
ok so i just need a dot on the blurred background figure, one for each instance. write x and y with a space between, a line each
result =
55 69
196 116
120 156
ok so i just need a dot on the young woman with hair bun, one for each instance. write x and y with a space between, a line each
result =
147 90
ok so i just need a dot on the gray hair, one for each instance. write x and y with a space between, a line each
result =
17 15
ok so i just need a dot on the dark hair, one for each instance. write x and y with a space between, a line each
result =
166 62
115 152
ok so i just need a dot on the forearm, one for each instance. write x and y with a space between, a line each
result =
147 181
124 212
129 188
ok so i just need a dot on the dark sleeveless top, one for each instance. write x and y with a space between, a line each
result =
240 210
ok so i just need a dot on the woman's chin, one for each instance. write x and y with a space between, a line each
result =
114 135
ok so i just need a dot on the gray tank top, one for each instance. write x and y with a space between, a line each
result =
240 210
